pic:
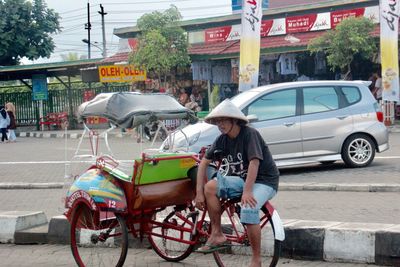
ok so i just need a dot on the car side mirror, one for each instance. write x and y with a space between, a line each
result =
252 117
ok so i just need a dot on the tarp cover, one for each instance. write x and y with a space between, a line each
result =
129 109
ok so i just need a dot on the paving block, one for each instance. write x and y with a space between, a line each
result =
387 246
34 235
352 242
12 221
305 239
59 230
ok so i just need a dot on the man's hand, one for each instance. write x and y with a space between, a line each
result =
200 201
248 199
247 196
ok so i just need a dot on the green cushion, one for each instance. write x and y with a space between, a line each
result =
164 170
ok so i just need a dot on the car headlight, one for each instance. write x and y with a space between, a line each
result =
186 141
181 141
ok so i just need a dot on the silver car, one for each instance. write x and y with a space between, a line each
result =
304 122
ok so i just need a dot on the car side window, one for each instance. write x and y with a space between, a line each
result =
320 99
275 105
352 94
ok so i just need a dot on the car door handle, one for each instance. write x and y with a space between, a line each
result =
342 117
288 124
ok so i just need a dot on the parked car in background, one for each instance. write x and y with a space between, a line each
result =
304 122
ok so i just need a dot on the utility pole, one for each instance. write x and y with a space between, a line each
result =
102 13
88 27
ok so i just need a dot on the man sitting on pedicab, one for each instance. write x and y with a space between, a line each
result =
250 173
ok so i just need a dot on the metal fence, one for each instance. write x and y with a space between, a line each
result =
27 110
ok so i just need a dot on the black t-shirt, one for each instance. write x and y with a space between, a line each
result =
237 153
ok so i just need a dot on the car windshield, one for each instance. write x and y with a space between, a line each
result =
243 97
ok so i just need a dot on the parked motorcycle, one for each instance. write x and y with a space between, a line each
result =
150 130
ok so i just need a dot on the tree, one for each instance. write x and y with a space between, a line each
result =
162 44
351 37
25 30
71 56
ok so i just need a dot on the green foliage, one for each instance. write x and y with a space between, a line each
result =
162 44
72 56
25 30
351 37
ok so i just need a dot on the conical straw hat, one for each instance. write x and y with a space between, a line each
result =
226 109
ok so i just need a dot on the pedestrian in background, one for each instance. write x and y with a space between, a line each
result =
10 108
4 122
183 97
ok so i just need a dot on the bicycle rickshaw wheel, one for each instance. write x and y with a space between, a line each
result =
95 243
171 226
239 254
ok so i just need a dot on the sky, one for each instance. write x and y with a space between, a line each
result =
121 13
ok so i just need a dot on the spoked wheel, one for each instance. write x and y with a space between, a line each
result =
166 238
95 243
239 254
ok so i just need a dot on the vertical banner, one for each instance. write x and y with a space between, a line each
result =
250 44
389 13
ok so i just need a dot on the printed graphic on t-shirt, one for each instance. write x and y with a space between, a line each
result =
233 166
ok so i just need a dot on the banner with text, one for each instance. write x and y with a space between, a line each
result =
250 44
120 74
389 49
294 24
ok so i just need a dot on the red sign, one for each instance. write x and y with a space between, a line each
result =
300 23
338 16
266 26
219 34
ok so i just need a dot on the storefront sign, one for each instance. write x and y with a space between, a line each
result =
273 27
389 49
295 24
300 23
338 16
39 87
121 74
222 34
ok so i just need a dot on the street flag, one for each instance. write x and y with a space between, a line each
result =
250 44
389 21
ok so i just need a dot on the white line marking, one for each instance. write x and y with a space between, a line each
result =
125 160
52 162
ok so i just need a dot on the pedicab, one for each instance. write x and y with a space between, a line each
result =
110 209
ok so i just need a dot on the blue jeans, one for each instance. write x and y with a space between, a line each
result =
232 187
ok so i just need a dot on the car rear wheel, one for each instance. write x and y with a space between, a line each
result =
358 151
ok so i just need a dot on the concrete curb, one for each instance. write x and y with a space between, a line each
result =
282 187
13 221
31 185
343 242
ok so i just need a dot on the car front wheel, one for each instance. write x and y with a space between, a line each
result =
358 151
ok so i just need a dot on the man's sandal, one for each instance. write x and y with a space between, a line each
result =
209 248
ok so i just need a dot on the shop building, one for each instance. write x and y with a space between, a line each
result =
214 44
